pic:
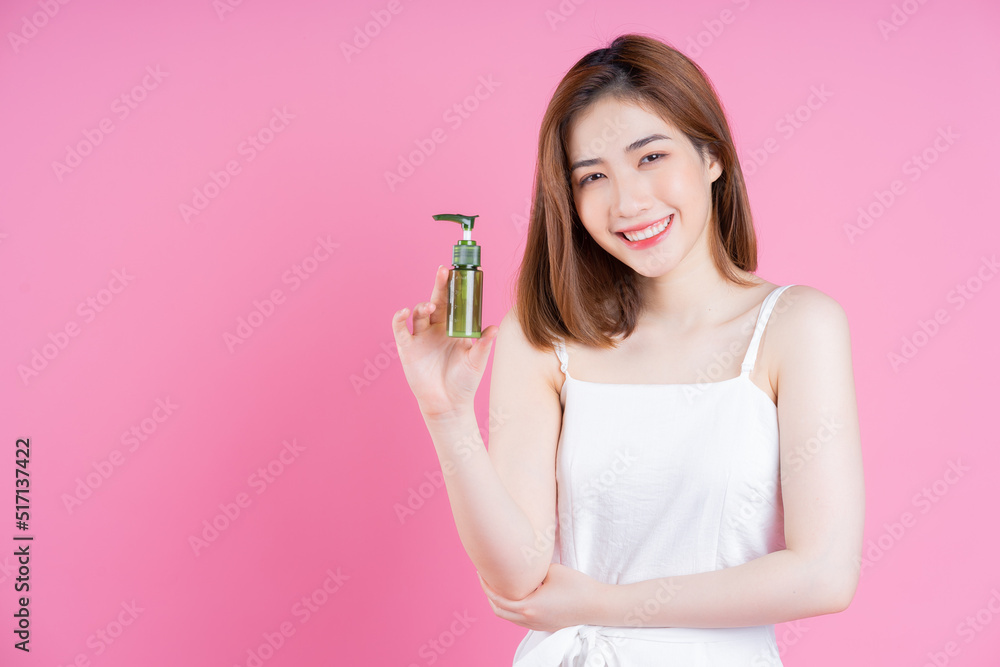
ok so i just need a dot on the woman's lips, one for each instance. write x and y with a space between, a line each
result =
652 240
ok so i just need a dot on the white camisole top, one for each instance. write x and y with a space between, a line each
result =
660 480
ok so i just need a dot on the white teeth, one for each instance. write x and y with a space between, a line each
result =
652 230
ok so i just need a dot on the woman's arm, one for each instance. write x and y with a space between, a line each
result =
504 499
822 488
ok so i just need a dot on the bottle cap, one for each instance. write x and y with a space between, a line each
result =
466 252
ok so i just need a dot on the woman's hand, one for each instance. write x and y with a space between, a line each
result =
566 597
443 372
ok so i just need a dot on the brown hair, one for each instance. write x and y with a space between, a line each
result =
568 286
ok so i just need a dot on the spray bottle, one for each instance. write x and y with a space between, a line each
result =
465 282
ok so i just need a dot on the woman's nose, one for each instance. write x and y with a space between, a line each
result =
631 197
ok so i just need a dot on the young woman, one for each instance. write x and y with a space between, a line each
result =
674 462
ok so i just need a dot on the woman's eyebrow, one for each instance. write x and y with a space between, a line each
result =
634 146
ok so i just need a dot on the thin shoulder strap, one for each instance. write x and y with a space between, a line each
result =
560 348
765 312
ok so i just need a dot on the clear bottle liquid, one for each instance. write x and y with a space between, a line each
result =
465 302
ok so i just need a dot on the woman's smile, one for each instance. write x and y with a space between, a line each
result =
647 236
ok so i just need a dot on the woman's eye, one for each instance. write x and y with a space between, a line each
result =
592 177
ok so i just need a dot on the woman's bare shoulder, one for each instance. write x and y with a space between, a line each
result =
804 303
514 348
806 320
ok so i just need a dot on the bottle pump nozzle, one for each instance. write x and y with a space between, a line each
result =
466 252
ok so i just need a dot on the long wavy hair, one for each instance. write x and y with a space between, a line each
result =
568 286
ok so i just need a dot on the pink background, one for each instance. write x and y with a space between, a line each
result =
319 370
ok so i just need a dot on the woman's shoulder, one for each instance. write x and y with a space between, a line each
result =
512 326
805 304
804 321
515 348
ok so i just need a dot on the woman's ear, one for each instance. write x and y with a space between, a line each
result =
714 163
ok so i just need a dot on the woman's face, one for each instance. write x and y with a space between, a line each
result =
632 170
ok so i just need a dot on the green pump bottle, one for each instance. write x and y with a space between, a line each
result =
465 282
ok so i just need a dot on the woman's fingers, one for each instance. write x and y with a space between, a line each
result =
421 318
439 295
399 330
480 351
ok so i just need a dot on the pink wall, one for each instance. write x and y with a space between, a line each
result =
127 269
